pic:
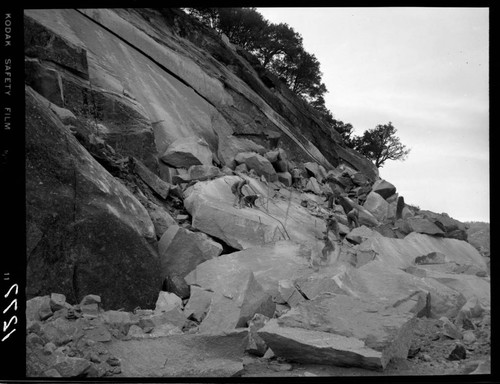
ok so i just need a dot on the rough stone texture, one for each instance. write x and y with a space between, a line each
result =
167 301
314 347
360 234
289 294
71 366
395 286
470 286
386 329
258 163
377 206
89 219
198 303
452 228
401 253
37 306
272 156
313 169
313 186
234 145
119 320
285 178
237 298
424 226
187 151
161 219
57 301
431 258
384 188
181 250
182 356
60 331
203 172
360 179
39 41
210 205
256 346
153 181
269 263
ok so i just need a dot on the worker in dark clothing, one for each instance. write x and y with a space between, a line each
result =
330 197
352 218
333 225
237 191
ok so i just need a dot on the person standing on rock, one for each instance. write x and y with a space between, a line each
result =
352 218
333 225
237 190
330 197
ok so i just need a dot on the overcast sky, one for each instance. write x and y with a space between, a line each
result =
426 71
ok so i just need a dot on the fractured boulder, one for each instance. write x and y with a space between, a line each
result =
384 188
259 163
187 151
386 329
315 347
377 206
181 250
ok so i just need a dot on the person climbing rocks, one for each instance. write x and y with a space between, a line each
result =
352 218
237 190
333 225
330 197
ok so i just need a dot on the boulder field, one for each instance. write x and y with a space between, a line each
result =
141 263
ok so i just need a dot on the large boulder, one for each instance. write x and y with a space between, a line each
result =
95 230
395 287
187 151
401 253
270 263
210 205
258 163
181 250
377 206
384 188
234 145
365 217
236 299
360 234
203 172
386 329
419 225
314 171
453 228
315 347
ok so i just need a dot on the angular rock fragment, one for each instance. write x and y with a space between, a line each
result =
187 151
198 303
181 250
167 301
384 188
424 226
387 329
360 234
159 186
377 206
259 163
315 347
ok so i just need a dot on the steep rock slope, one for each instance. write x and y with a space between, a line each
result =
189 83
